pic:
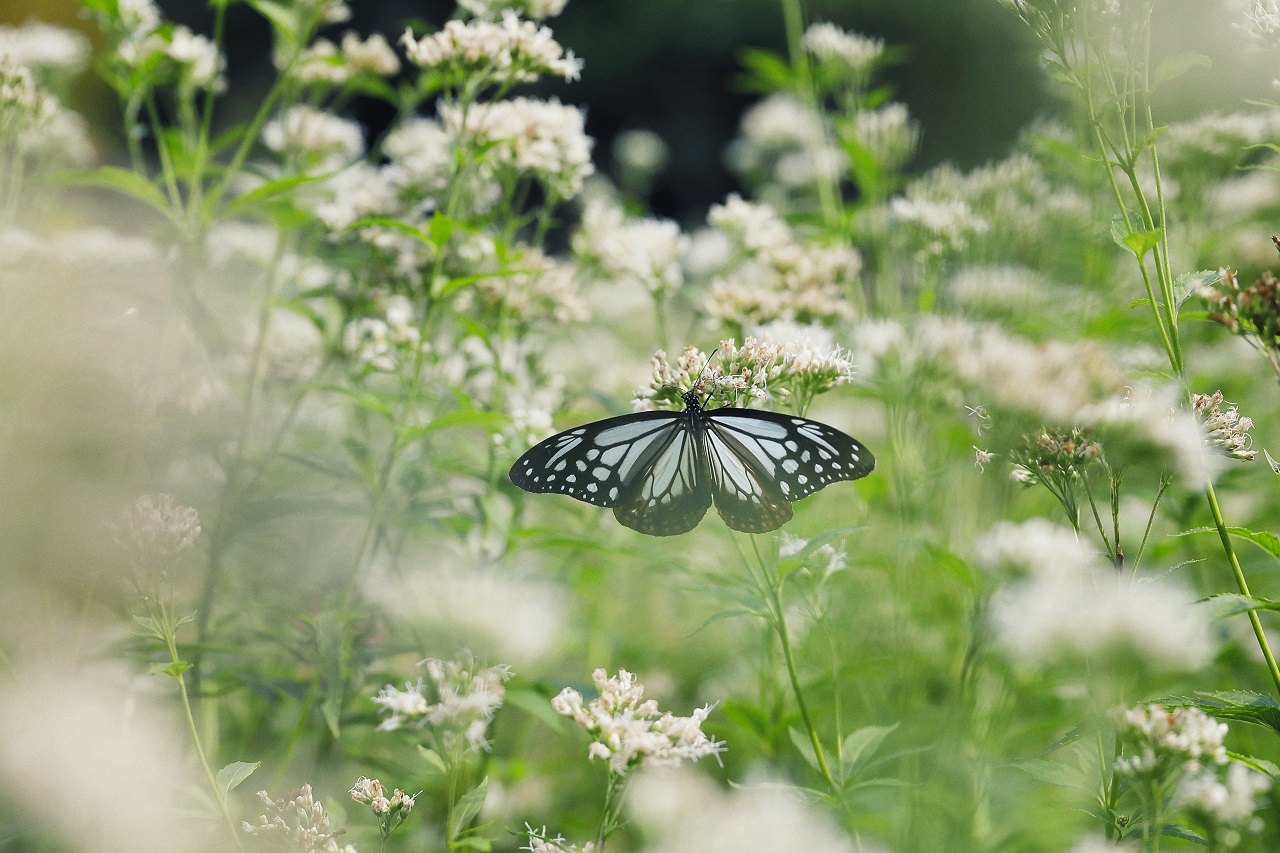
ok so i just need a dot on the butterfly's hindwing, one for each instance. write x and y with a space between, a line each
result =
673 492
797 456
593 463
745 497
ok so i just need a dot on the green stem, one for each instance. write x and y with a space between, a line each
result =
779 621
1241 583
175 658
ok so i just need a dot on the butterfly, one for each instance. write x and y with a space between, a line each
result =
661 471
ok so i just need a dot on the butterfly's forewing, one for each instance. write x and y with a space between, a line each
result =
596 462
767 459
672 492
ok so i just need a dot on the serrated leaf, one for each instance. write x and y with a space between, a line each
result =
804 745
1268 542
233 774
1241 705
859 746
467 807
1186 285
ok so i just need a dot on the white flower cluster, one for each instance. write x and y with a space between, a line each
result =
1228 805
888 134
1073 605
640 252
43 47
1159 740
1226 428
545 139
1055 379
630 730
141 42
384 344
325 63
536 9
785 140
463 700
830 43
774 276
541 842
421 156
319 140
298 822
371 793
783 359
528 288
500 52
157 529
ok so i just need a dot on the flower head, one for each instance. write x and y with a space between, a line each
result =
1225 428
296 821
456 701
1157 739
499 52
630 730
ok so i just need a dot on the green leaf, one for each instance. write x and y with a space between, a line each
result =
767 71
1138 242
467 807
434 759
1268 542
1241 705
1052 772
331 651
858 748
804 745
121 180
535 704
440 229
955 565
489 421
1175 66
280 16
264 193
233 774
1262 765
175 669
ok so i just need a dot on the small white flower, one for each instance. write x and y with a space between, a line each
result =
629 730
324 141
501 52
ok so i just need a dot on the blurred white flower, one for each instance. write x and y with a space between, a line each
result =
321 140
540 841
456 701
641 252
545 139
684 811
40 46
1233 801
421 155
1072 604
65 729
830 43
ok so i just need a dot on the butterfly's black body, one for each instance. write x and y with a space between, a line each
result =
661 471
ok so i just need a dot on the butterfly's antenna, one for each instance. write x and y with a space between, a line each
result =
698 381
